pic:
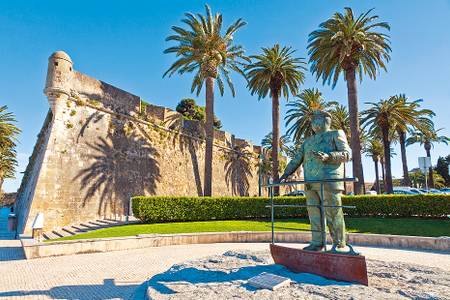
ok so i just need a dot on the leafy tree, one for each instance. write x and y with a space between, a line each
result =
413 117
191 111
442 168
427 137
276 72
349 45
8 138
301 111
418 179
204 49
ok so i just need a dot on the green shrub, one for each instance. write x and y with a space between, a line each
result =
167 209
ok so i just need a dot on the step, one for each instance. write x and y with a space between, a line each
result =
111 221
104 222
61 233
78 229
97 225
50 235
88 226
69 231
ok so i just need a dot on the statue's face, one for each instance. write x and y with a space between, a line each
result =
321 124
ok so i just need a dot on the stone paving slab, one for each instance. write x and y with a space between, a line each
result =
120 274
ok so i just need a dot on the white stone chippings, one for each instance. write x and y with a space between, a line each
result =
228 275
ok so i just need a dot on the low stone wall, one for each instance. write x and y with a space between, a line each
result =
34 249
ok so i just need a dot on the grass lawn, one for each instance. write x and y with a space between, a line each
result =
419 227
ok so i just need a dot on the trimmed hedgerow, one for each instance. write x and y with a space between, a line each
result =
167 209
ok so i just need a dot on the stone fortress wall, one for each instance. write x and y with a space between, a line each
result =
100 145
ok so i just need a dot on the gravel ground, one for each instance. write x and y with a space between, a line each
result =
224 277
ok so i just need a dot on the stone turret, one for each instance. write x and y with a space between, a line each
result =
59 77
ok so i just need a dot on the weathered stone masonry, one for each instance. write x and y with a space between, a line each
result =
101 145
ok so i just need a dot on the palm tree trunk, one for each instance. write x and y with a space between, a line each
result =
430 170
406 180
275 140
209 130
387 160
377 177
345 183
355 142
383 174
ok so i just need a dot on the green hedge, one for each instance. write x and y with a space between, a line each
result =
166 209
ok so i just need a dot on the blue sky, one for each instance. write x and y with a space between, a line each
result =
121 42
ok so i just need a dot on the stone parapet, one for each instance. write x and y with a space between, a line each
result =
34 249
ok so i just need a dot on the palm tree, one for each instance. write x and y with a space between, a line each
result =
8 138
383 116
427 137
420 118
203 48
283 144
278 72
351 46
341 120
374 149
301 111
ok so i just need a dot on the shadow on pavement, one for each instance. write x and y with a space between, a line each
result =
108 290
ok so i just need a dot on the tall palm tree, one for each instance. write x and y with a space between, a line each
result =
301 111
382 117
349 45
203 48
276 72
8 138
374 149
341 120
420 119
427 137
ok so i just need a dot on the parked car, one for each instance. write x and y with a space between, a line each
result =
296 193
435 191
403 192
371 192
406 190
445 190
431 191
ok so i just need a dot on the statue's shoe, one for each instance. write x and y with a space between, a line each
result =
313 247
347 249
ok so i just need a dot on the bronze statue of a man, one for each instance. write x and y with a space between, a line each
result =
323 156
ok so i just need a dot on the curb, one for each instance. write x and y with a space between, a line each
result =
33 249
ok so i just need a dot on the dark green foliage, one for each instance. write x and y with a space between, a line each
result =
442 168
167 209
191 111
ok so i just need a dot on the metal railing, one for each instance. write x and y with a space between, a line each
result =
321 206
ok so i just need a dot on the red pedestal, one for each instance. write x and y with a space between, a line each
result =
342 267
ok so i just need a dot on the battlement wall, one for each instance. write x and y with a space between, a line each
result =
102 145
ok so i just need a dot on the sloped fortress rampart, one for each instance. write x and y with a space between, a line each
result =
100 145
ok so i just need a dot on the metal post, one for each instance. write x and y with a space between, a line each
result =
272 217
323 223
260 175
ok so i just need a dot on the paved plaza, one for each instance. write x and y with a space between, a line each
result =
119 275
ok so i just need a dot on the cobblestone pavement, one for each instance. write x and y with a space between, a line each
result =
119 275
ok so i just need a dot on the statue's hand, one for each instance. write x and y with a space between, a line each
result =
282 179
322 155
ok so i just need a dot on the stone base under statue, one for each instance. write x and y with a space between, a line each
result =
342 267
